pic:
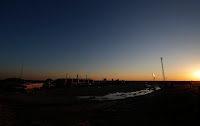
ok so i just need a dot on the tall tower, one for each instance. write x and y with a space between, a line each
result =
162 68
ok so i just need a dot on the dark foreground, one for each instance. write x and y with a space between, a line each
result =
170 106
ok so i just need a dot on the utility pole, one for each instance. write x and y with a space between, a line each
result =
162 68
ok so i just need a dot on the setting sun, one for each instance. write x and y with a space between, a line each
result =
197 74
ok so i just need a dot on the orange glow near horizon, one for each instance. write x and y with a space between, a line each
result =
172 74
185 76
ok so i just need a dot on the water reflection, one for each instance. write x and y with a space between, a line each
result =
121 95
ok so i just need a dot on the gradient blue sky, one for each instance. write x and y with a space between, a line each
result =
103 38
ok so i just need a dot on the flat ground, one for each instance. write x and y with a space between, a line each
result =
175 105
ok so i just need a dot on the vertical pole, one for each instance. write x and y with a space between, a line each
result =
21 71
162 68
77 79
66 80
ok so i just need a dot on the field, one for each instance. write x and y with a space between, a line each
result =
176 104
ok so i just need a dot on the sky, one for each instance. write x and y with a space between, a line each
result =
119 39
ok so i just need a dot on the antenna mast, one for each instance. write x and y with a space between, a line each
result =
162 68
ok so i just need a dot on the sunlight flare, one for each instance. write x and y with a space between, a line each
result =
197 74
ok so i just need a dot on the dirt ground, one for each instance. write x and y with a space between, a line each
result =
172 105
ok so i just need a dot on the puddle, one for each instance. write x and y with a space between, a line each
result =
121 95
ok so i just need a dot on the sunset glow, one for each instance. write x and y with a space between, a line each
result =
114 40
197 74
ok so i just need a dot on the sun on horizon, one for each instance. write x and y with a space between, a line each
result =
197 74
